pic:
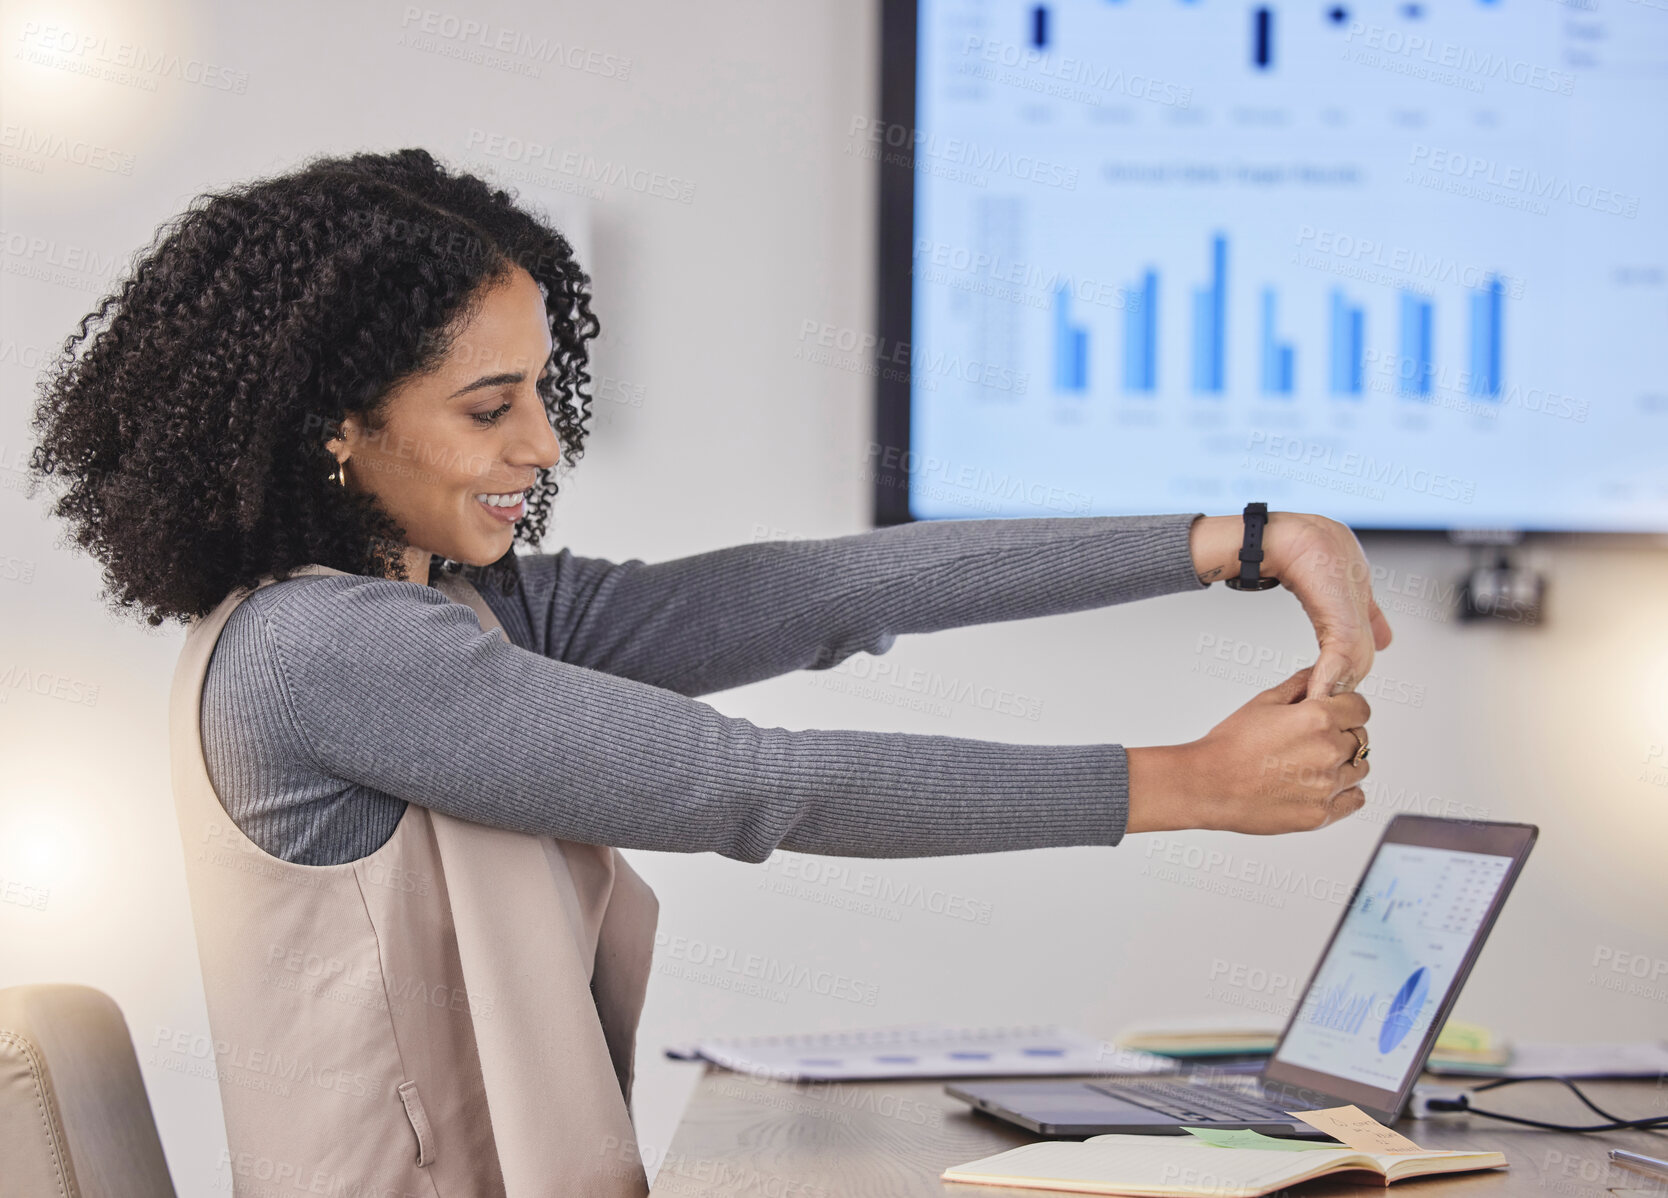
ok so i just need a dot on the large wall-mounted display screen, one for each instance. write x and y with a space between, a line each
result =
1403 264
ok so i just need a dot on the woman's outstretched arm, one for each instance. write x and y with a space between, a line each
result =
390 686
731 616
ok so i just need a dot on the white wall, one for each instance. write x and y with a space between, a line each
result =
737 437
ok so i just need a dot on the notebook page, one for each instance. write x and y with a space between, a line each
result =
1409 1164
1156 1165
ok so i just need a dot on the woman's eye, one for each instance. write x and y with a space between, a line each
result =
486 419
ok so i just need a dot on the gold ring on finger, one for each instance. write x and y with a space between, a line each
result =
1361 749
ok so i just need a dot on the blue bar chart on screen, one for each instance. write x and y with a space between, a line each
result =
1391 263
1141 336
1071 347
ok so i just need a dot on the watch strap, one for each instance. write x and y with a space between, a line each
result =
1251 553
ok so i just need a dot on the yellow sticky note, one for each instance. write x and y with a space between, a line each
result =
1353 1126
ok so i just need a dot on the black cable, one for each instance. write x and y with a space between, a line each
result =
1547 1077
1617 1123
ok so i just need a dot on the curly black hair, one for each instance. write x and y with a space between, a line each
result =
191 425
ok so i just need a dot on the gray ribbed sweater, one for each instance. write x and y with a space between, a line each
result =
331 701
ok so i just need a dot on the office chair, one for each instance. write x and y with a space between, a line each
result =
74 1118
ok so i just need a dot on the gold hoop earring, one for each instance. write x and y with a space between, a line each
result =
341 472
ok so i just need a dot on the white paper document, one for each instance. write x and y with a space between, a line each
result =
926 1051
1644 1058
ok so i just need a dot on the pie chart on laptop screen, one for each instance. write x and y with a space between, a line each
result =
1404 1009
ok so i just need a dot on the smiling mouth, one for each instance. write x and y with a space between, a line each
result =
506 508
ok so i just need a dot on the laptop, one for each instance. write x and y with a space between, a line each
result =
1390 973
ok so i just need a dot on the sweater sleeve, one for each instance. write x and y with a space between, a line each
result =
394 687
721 619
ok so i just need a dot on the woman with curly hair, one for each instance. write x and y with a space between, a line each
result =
319 406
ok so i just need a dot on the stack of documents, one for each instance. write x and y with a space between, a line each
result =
926 1050
1462 1044
1202 1037
1644 1058
1466 1046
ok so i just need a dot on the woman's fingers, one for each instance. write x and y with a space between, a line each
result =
1381 626
1321 562
1349 710
1287 690
1329 763
1281 763
1344 803
1352 772
1336 670
1344 746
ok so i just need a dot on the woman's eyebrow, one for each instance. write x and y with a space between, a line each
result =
490 380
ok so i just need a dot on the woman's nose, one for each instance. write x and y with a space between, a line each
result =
538 444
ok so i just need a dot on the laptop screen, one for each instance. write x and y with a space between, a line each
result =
1396 961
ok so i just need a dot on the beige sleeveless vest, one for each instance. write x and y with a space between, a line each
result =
452 1016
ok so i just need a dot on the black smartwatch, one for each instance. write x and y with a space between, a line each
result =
1251 552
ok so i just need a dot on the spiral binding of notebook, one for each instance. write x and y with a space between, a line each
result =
924 1050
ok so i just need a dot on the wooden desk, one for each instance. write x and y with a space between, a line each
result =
753 1137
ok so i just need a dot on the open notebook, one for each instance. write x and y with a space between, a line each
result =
1170 1166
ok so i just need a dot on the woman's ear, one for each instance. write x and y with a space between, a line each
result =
348 433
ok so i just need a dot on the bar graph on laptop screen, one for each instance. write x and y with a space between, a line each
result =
1392 963
1405 264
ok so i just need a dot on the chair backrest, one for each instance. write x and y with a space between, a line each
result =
74 1118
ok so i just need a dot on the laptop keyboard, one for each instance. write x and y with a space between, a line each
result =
1204 1103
